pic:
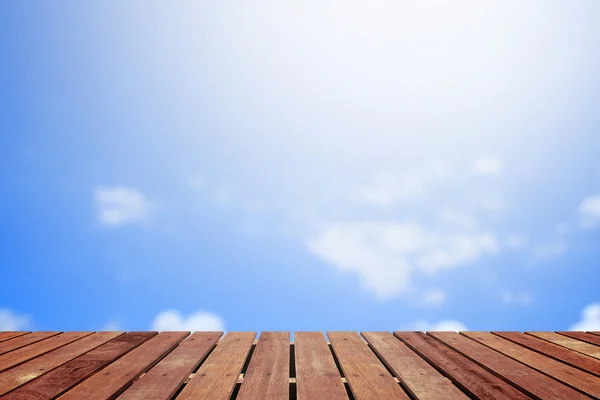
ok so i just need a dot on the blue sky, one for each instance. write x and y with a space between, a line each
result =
300 166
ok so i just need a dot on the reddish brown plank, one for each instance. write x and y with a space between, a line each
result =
317 377
573 377
422 380
60 379
24 340
23 354
112 380
166 377
584 337
595 333
9 335
21 374
470 377
581 361
569 343
268 373
367 377
218 375
528 380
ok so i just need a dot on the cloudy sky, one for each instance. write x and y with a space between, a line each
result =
309 165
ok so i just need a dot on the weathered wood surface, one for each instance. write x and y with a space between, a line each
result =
207 365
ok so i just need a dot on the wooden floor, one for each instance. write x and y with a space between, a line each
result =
340 365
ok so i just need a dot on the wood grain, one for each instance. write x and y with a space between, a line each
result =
581 361
9 335
317 376
166 377
24 340
112 380
367 377
417 376
468 376
268 373
526 379
569 343
23 354
23 373
584 337
573 377
66 376
216 378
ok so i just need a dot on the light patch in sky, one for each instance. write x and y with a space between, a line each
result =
120 205
521 298
385 254
487 164
443 325
433 298
12 321
173 320
590 319
516 241
589 212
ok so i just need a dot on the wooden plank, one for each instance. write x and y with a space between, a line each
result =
584 337
9 335
595 333
21 374
468 376
581 361
61 379
367 377
112 380
524 378
24 340
569 343
573 377
166 377
420 379
317 377
268 373
23 354
218 375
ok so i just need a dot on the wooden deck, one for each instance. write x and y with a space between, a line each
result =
335 366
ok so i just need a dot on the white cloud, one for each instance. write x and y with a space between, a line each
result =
510 297
589 212
386 254
433 297
450 216
172 320
444 325
386 190
516 241
112 325
11 321
487 164
120 205
590 319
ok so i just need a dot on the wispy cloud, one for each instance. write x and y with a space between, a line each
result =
443 325
487 164
589 212
590 319
173 320
120 205
433 298
13 321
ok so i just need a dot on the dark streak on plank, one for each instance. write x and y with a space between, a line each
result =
573 377
528 380
218 375
24 340
470 377
9 335
367 377
70 374
23 354
21 374
585 337
166 377
581 361
420 379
